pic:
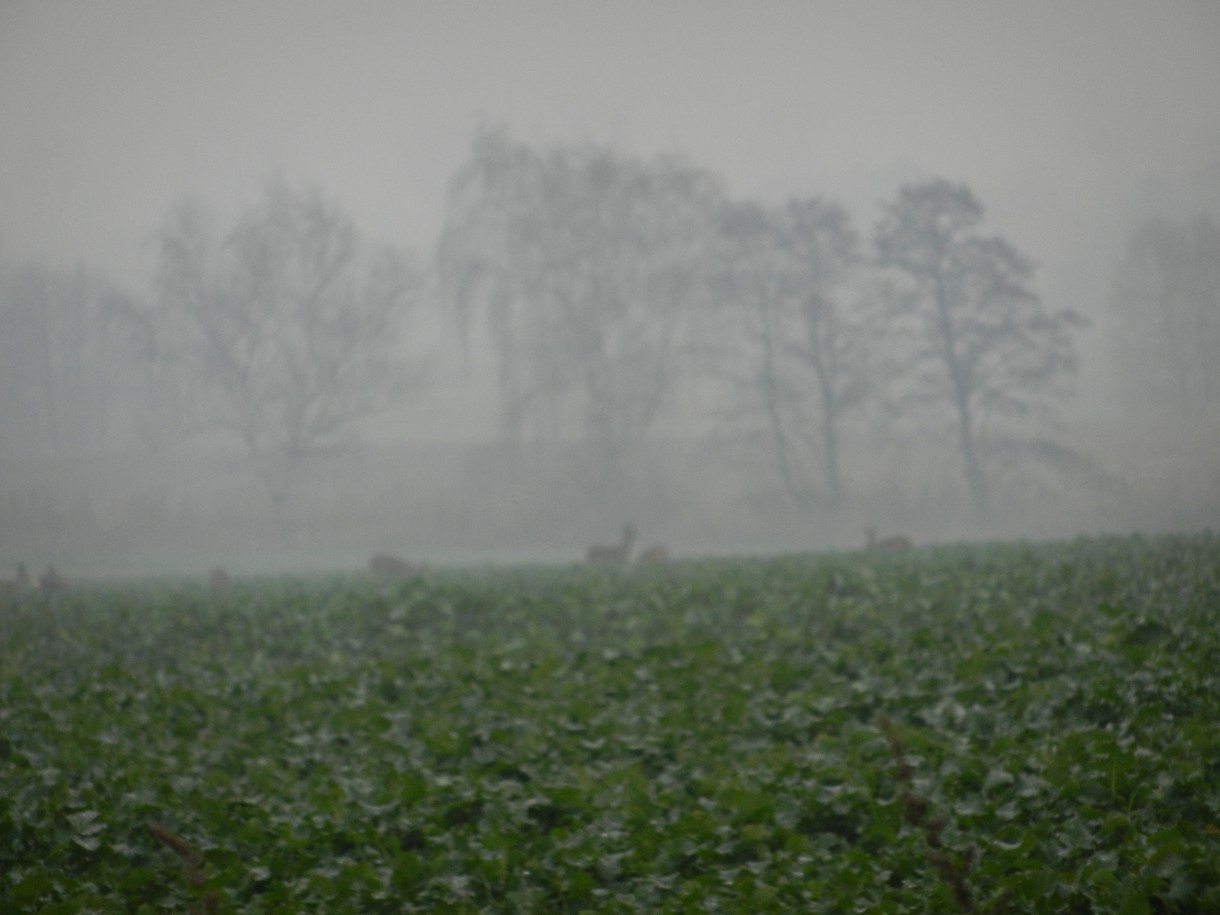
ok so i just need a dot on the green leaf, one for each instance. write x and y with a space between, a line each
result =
85 822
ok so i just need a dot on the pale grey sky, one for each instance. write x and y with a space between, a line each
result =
1059 114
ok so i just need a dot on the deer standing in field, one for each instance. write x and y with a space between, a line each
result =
896 544
603 554
654 555
218 578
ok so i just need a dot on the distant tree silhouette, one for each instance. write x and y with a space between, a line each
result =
288 324
795 348
978 340
584 262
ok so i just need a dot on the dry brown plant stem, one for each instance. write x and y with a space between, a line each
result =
952 867
192 867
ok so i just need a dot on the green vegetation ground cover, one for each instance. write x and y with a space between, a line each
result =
1026 728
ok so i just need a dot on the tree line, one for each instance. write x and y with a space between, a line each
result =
609 282
615 292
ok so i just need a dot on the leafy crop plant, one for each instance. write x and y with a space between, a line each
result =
704 737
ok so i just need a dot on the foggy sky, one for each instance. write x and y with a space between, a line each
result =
1064 118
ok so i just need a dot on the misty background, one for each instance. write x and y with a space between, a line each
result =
285 284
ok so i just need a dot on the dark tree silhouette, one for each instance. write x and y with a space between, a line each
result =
784 276
583 262
979 341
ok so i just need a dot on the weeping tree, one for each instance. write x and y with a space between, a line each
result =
286 327
795 343
585 264
979 344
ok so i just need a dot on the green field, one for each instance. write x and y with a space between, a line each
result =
1020 728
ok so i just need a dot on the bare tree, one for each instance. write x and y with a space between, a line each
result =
584 262
288 325
979 340
795 344
65 361
1166 295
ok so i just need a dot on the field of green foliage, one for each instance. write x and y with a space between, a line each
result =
1019 728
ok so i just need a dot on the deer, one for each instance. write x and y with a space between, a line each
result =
896 544
18 584
654 555
384 565
603 554
218 578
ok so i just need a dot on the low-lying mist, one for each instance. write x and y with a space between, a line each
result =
186 510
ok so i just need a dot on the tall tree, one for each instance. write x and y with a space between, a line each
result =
288 325
785 276
979 340
584 262
1166 296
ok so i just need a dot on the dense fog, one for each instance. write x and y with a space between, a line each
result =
285 287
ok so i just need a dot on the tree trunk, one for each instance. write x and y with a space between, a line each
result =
976 479
972 467
775 420
830 446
